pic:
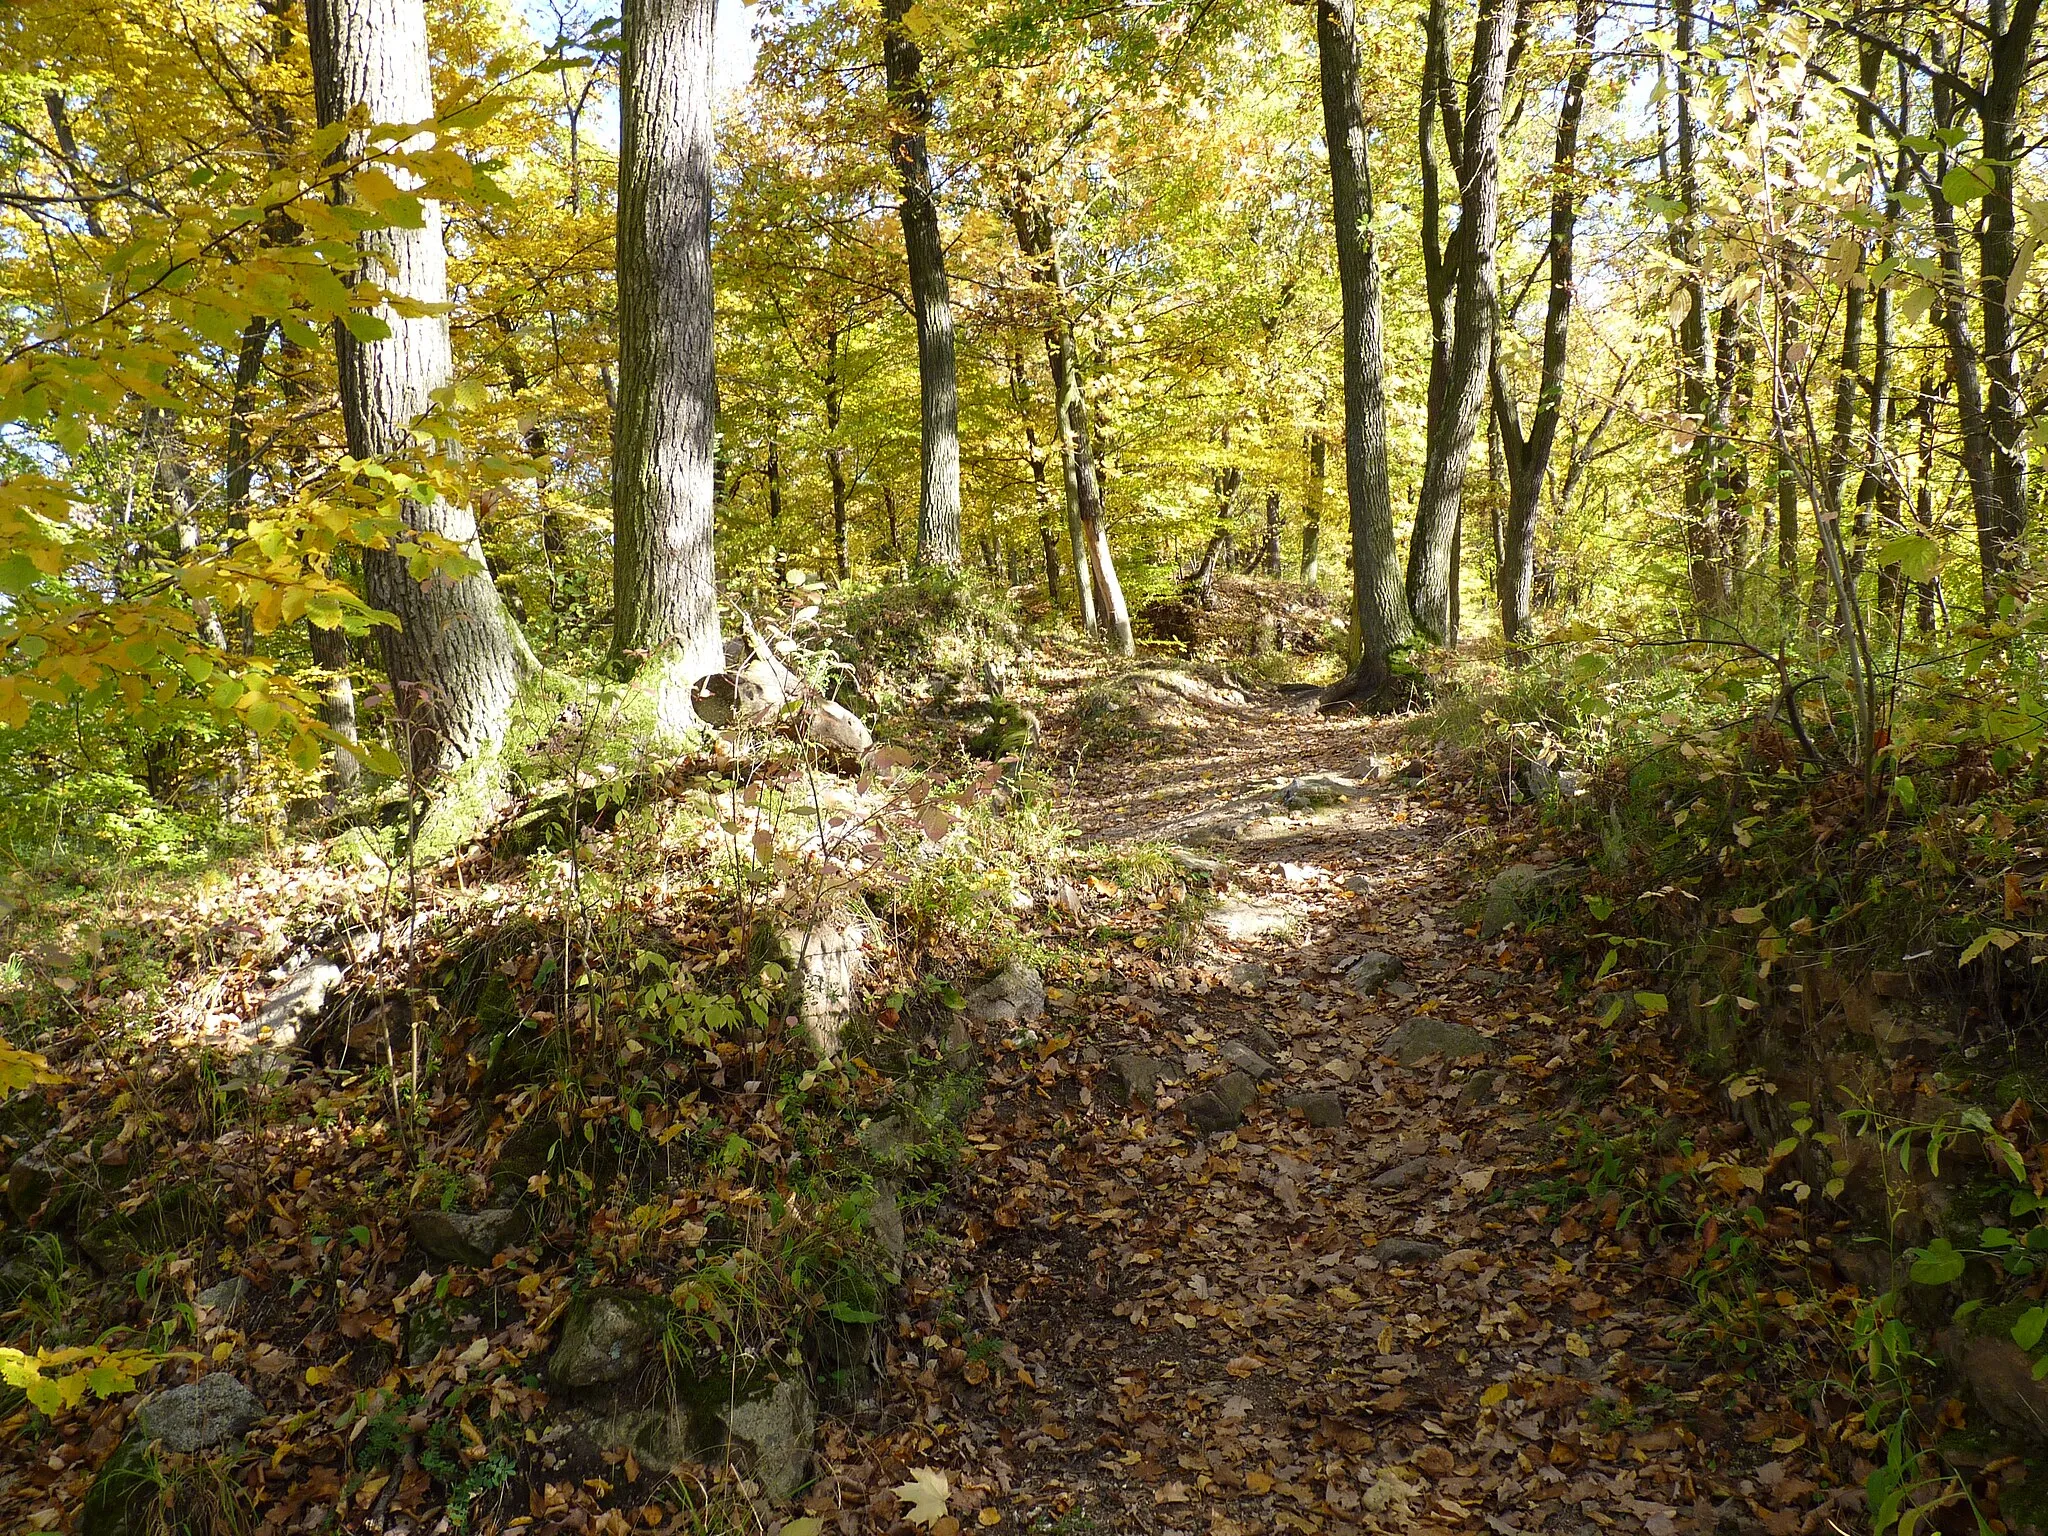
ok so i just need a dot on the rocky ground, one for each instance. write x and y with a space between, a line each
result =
1299 1188
1264 1233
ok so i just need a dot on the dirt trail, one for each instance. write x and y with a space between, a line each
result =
1365 1325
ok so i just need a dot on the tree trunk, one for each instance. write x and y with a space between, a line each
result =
1431 548
1782 426
938 504
778 557
835 463
1527 457
1312 508
1035 458
664 570
1925 592
1380 612
337 703
1077 442
455 660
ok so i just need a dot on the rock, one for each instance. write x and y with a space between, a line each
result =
1139 1076
750 692
1014 995
774 1431
523 1153
1197 865
838 728
1248 974
1358 885
1323 1109
1222 1107
37 1183
1372 970
1317 790
224 1300
1999 1374
292 1007
1480 1090
890 1140
468 1237
1241 919
1247 1060
1422 1037
123 1241
885 1220
1263 1040
606 1335
1407 1250
1405 1175
197 1417
1517 892
959 1052
829 959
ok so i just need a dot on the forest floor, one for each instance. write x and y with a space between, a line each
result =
1403 1320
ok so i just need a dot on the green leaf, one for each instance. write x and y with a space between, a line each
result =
365 326
1917 556
1968 182
1936 1264
2032 1323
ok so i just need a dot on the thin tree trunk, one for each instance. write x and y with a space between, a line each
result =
1312 508
337 703
1527 457
1380 611
835 463
1782 426
455 658
1035 458
938 504
1924 592
1432 553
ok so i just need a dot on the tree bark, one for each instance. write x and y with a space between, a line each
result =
1035 457
1077 440
455 659
938 505
1526 457
1312 508
1431 548
1380 611
664 569
835 463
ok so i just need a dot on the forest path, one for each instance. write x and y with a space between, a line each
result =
1350 1312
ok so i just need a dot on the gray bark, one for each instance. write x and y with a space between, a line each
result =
938 504
454 660
1432 558
1312 509
664 571
1380 611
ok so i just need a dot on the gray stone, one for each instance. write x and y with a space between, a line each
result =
1314 791
1405 1175
773 1431
1407 1250
1480 1090
37 1179
1014 995
1358 885
606 1335
468 1237
292 1007
1247 973
224 1300
1517 891
1247 1060
1263 1040
885 1220
2000 1376
1221 1108
201 1415
1372 970
1323 1109
1139 1076
1241 919
828 958
838 728
1422 1037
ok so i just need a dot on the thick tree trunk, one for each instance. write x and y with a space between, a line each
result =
664 571
1431 548
938 505
1312 509
455 660
1527 457
1380 611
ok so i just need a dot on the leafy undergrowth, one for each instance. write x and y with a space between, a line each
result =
576 1019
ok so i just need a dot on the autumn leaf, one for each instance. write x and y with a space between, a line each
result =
926 1494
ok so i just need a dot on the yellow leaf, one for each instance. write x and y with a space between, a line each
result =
1494 1395
926 1494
